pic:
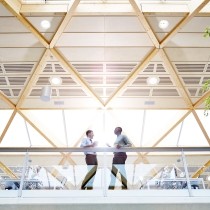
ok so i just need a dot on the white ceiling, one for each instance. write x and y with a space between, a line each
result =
104 51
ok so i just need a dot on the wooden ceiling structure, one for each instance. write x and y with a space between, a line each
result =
104 51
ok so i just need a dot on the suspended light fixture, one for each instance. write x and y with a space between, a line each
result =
153 80
46 93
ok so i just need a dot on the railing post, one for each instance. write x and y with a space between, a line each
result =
104 179
23 174
187 174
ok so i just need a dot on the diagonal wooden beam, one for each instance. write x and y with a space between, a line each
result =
57 175
64 23
37 129
12 105
132 76
170 129
14 7
201 126
7 125
6 100
40 66
153 171
202 99
145 23
140 158
176 78
195 6
201 170
76 76
8 171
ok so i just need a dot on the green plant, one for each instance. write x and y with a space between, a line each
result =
206 85
205 88
207 32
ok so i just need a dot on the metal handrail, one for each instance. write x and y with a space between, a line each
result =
105 149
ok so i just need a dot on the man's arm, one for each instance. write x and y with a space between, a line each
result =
127 142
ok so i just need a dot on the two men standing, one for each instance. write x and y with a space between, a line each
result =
118 162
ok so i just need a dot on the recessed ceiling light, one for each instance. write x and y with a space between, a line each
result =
55 80
153 80
208 178
163 24
45 24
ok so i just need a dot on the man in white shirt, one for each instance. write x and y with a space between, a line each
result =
90 159
118 163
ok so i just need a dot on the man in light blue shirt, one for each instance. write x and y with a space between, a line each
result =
90 159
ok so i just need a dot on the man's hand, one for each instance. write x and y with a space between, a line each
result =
108 145
118 146
95 144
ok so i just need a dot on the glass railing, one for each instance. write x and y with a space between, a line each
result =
152 170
